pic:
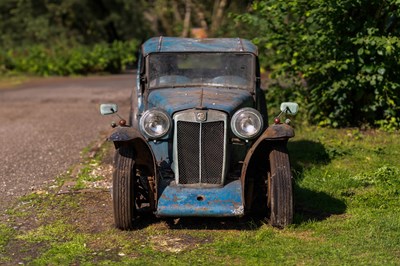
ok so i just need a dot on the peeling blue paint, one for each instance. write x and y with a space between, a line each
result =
177 99
175 44
178 201
160 150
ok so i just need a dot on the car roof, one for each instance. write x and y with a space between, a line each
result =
176 44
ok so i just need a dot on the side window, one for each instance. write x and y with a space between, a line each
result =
141 77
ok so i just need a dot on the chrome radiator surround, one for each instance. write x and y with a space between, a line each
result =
199 147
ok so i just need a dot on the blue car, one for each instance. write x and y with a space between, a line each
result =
197 142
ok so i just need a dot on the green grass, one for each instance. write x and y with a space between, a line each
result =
11 81
6 233
92 159
347 188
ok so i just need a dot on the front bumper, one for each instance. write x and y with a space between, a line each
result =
181 201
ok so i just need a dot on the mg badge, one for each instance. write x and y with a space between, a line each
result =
201 116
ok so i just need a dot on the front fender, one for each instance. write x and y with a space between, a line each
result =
276 131
122 134
132 137
144 156
258 154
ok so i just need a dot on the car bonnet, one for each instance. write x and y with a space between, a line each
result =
177 99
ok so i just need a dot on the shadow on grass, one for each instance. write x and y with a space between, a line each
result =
216 223
305 154
315 206
311 205
202 223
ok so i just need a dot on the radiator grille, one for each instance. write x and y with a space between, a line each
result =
188 152
212 154
200 149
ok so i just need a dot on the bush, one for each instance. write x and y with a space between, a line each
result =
338 58
63 60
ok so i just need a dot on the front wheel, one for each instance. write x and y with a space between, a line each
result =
280 188
123 191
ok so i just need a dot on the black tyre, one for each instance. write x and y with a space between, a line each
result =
123 191
280 188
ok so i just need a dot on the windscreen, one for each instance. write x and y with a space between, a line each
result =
201 69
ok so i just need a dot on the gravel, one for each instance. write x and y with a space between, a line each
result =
46 123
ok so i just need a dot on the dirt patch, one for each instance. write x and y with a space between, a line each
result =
95 212
174 244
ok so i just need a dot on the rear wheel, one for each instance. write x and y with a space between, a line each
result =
123 191
280 189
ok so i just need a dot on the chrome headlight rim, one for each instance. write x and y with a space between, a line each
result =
144 120
239 115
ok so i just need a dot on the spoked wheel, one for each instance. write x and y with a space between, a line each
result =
130 191
280 189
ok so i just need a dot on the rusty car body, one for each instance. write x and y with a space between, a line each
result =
197 142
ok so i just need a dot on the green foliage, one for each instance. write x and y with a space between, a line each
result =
338 58
62 60
84 36
69 37
32 22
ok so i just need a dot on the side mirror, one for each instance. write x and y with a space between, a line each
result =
108 108
289 108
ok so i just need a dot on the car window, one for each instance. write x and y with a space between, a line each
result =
201 69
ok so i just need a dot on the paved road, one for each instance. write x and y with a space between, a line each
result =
46 123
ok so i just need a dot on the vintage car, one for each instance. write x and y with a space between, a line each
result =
197 142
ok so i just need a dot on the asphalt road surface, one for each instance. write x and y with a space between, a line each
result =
46 123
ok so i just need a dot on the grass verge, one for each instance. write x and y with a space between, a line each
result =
347 190
11 81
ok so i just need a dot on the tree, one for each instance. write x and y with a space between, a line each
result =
26 22
346 51
177 17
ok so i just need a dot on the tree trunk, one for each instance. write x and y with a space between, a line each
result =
218 13
186 21
175 10
161 10
198 10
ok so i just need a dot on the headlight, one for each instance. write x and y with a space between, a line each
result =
247 123
155 123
